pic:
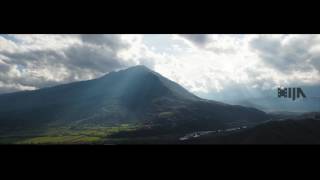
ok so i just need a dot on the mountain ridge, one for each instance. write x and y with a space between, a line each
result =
298 130
136 94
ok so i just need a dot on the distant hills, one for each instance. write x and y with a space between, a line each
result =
271 104
267 99
134 95
303 129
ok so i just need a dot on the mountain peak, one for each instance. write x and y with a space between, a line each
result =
136 94
141 76
138 68
135 69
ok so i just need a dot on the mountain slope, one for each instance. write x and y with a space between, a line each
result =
136 94
303 130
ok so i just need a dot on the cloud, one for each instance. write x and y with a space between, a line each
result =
31 62
288 53
198 39
100 59
219 44
4 67
113 42
202 63
225 62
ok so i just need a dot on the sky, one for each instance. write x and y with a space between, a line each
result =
208 65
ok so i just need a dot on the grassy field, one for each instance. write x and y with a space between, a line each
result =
67 135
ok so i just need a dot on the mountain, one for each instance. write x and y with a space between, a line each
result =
133 95
303 129
267 99
272 104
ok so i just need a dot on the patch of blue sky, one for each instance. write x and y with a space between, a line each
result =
9 37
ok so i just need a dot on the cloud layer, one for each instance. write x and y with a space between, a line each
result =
36 61
204 64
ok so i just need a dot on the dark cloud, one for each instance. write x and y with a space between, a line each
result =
290 56
112 41
197 39
95 56
202 41
4 68
32 57
98 59
315 61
